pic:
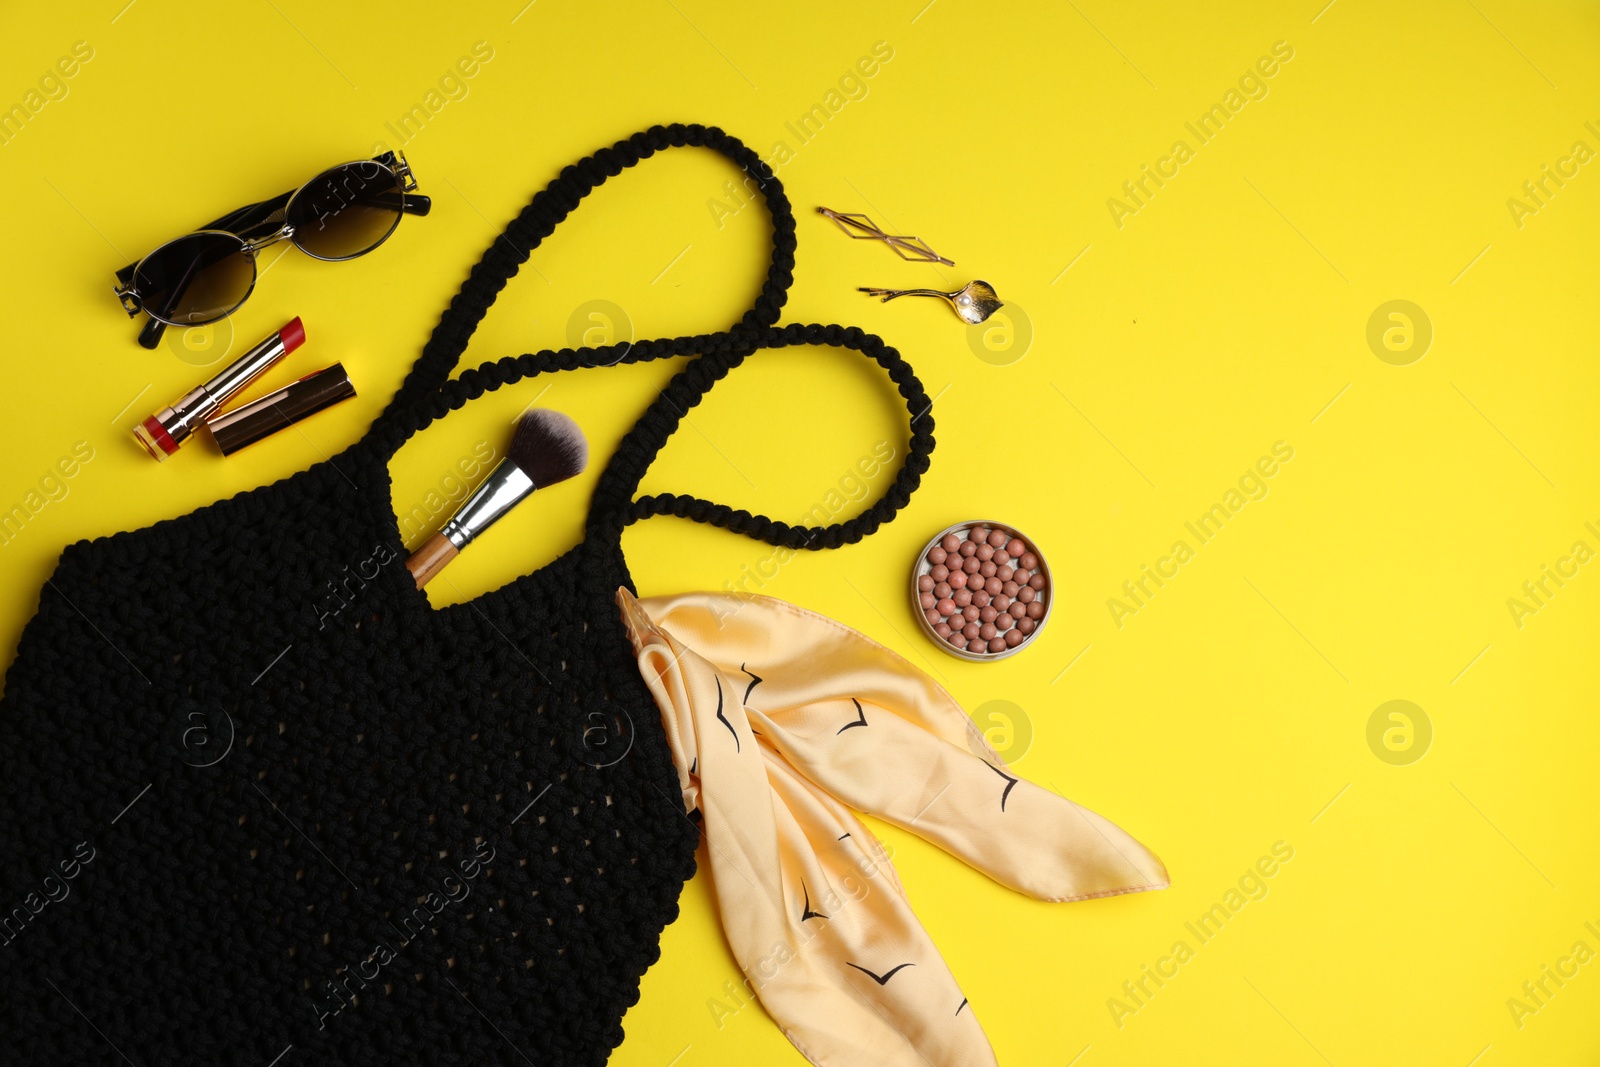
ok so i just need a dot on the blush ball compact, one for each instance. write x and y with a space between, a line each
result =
981 590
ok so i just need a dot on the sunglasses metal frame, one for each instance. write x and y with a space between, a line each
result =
257 226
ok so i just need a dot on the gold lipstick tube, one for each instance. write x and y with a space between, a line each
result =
249 423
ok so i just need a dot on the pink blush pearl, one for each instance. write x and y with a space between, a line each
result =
985 552
961 598
941 590
927 600
998 539
993 586
945 607
1036 610
1036 582
997 644
950 543
1013 638
957 580
968 549
926 583
937 554
977 644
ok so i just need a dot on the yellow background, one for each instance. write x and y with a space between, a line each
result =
1230 312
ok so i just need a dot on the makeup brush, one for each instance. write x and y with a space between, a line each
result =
546 448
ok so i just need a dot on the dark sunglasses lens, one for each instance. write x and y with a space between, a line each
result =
346 211
196 279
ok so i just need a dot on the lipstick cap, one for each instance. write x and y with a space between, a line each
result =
248 424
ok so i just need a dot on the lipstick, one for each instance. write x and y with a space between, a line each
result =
163 433
249 423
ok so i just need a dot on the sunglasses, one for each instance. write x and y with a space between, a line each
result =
344 212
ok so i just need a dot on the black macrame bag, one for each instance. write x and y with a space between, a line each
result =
238 827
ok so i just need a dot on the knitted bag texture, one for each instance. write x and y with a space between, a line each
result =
260 803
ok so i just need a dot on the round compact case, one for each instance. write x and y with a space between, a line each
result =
263 804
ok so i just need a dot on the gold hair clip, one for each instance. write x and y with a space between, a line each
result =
913 248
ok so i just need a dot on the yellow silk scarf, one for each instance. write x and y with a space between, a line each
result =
780 722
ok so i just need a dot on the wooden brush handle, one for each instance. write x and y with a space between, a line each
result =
431 558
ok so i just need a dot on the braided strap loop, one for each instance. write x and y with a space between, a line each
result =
501 261
614 506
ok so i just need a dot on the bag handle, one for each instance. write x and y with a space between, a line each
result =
429 393
415 403
614 505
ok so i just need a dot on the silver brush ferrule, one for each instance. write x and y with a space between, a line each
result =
505 488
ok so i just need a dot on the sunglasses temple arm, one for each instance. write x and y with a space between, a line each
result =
239 221
410 203
150 336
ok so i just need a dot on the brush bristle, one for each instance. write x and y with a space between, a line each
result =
549 447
